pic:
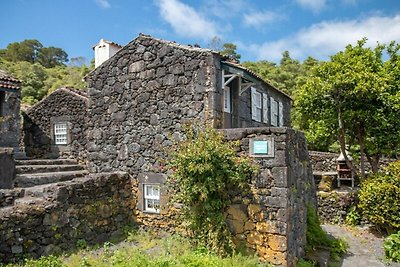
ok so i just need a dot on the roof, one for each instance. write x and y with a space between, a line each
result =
255 75
9 82
224 59
176 45
107 42
69 90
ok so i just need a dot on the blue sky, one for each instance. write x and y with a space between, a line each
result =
262 29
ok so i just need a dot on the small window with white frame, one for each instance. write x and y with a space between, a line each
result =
256 105
60 133
152 198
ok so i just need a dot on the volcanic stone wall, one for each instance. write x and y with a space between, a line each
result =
272 218
139 100
93 209
10 119
63 105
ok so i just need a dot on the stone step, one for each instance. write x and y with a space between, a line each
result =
28 200
46 162
21 169
29 179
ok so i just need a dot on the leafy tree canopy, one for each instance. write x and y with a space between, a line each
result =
355 96
33 51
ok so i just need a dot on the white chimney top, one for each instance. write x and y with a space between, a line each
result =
104 50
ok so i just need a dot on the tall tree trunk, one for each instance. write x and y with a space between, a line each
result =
360 133
342 139
374 162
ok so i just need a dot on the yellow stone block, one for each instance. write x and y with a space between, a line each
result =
249 225
255 238
254 209
237 213
277 242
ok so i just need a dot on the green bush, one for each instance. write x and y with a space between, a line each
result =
353 217
49 261
379 198
392 247
205 168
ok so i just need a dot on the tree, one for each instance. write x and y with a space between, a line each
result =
350 94
226 49
50 57
26 50
33 51
286 76
229 50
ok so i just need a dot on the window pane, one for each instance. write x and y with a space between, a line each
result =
60 134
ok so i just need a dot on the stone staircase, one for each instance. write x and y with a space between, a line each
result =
35 175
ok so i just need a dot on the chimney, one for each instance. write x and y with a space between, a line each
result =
104 50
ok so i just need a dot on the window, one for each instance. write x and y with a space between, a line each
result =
256 105
152 198
265 108
280 114
227 99
60 133
274 112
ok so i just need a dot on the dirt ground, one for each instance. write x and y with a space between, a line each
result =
365 246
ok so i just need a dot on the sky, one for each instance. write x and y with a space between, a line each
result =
261 29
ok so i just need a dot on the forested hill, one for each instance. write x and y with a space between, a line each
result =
352 100
42 69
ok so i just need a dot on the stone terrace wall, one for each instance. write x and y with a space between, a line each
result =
94 208
140 97
333 206
63 105
272 218
326 162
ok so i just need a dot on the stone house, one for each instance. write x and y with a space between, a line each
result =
10 101
55 127
139 100
150 87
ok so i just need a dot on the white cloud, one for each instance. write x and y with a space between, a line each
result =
327 38
103 3
185 20
219 8
314 5
260 18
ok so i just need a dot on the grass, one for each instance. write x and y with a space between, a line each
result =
145 250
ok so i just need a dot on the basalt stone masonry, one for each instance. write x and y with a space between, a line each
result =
94 208
141 97
10 99
272 218
66 106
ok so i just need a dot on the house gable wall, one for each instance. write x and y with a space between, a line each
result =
139 100
61 106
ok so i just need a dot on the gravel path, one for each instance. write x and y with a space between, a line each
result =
365 248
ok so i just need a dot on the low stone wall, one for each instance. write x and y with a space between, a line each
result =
94 208
7 169
272 218
8 196
334 206
323 161
326 162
